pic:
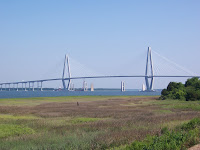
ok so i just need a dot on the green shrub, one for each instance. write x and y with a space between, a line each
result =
194 123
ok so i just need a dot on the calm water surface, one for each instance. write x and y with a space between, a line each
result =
26 94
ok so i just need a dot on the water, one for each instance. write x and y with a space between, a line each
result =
27 94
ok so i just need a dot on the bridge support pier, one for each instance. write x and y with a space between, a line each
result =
25 87
33 89
39 85
122 86
85 86
9 87
31 86
22 86
17 87
13 88
149 63
71 87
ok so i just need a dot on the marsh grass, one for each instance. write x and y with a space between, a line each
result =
97 123
163 111
12 117
52 141
174 123
40 100
83 120
173 104
7 130
186 106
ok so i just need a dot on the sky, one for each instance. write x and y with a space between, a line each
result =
107 36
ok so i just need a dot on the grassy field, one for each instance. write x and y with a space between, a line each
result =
96 122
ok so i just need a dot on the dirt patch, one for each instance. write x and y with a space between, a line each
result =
196 147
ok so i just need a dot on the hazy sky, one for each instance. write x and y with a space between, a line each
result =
104 35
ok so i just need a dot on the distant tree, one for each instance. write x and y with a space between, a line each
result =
180 94
194 82
189 91
174 91
164 92
191 94
173 85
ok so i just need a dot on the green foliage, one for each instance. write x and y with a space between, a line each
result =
194 82
192 94
194 123
175 86
174 91
182 137
189 91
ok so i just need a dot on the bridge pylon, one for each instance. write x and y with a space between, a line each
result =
66 62
149 73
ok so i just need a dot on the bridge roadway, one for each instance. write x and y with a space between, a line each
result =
97 77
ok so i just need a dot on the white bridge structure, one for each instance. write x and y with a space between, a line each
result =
66 78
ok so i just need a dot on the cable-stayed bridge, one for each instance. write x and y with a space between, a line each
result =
152 72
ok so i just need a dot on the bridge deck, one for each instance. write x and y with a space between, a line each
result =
97 77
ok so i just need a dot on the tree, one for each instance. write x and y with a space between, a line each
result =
189 91
173 85
194 82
